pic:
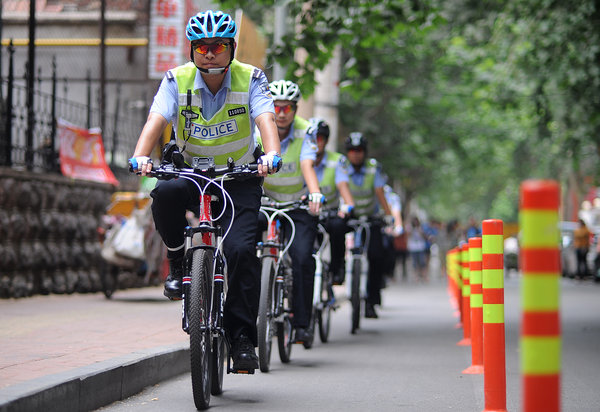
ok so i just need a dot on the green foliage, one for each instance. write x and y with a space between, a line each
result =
461 99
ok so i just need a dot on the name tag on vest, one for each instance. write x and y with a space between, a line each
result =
214 131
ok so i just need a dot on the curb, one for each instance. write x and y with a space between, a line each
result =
90 387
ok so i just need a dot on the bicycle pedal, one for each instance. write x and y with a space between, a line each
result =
241 371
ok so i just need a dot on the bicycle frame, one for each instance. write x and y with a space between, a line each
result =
318 255
275 247
358 250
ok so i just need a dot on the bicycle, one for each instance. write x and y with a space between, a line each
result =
357 267
205 276
275 304
323 298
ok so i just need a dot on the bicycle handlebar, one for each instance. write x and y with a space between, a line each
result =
168 171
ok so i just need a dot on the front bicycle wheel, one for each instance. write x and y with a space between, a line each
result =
324 314
265 313
219 351
355 294
199 326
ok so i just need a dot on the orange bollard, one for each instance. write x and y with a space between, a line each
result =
540 290
466 296
494 357
476 302
452 285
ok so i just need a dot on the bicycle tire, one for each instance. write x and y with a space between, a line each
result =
324 314
355 294
219 348
265 313
199 327
284 339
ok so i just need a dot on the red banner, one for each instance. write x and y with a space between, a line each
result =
82 154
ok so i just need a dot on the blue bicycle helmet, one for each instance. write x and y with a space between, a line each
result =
210 24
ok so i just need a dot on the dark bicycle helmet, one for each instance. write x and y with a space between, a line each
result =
356 140
320 126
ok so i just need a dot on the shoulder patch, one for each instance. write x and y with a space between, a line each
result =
257 73
169 75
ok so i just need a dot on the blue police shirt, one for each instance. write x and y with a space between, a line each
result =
359 176
166 99
341 170
309 145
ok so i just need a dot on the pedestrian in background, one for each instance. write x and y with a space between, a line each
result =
581 242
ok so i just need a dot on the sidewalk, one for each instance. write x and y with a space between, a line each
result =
55 348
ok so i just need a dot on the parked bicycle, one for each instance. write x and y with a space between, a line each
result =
275 303
205 276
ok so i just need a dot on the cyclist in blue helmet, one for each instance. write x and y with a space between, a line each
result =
214 103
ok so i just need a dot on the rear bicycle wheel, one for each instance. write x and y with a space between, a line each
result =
355 294
199 326
265 313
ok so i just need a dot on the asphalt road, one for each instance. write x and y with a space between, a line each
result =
407 360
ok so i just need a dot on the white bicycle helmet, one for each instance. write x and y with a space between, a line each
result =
210 24
285 90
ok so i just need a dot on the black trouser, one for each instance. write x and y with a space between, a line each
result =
376 255
303 263
171 200
582 269
337 228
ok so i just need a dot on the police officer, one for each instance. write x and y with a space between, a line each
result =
297 179
214 103
366 186
332 171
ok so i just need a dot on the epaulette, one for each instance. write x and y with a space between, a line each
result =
169 75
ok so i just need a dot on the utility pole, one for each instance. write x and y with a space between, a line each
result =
103 69
278 33
30 84
327 96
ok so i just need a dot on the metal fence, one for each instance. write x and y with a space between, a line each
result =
28 138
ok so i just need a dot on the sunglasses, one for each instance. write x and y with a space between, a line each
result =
286 109
216 48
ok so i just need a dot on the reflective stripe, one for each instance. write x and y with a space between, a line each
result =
540 355
285 197
476 300
539 228
493 278
493 313
492 244
196 100
237 98
540 292
287 181
231 147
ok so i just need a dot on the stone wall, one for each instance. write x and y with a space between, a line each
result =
49 240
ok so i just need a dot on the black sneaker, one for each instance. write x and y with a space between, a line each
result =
173 282
303 335
243 354
370 311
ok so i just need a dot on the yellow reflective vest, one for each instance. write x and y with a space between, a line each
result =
288 184
364 195
228 133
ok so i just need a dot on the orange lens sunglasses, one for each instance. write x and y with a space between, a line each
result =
216 48
286 109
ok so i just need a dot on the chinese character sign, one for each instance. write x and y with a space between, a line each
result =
82 154
167 25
